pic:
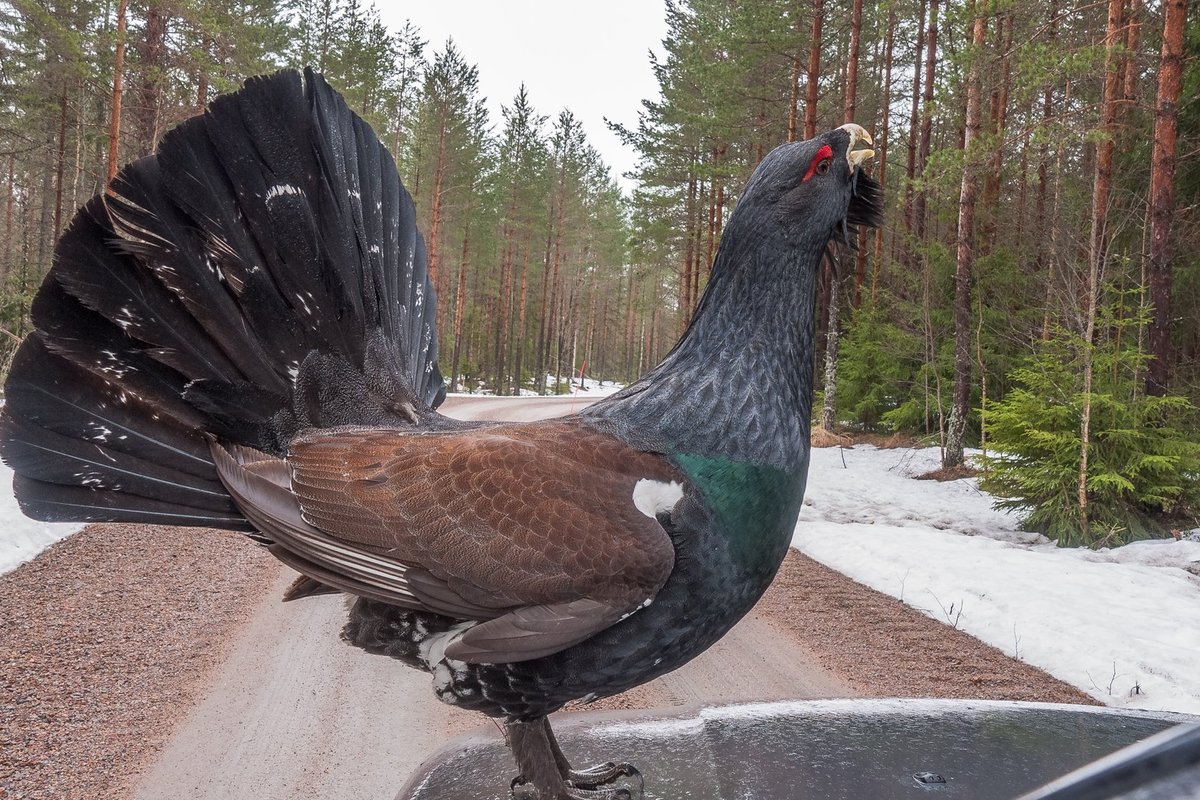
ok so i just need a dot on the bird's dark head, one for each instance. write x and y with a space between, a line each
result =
745 362
810 189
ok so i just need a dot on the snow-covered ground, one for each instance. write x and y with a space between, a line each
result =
591 388
588 387
22 538
1122 625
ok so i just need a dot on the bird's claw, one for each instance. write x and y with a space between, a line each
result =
585 784
593 773
592 777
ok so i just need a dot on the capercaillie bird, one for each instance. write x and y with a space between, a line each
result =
239 334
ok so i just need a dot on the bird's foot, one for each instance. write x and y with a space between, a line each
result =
585 784
600 774
547 775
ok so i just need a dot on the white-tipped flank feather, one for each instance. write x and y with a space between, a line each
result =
655 497
433 648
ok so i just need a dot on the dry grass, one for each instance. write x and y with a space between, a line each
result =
951 474
823 437
890 441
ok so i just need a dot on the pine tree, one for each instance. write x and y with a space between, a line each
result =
1142 462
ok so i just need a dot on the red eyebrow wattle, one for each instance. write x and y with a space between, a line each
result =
822 154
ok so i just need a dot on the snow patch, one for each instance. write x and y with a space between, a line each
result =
22 538
1122 625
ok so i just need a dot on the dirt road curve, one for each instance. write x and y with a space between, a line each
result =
286 710
296 713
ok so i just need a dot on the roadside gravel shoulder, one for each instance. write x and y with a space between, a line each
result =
106 639
884 648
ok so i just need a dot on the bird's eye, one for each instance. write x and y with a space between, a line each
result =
820 163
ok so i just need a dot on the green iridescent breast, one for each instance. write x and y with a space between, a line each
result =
754 506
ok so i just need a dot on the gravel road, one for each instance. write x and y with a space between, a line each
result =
152 663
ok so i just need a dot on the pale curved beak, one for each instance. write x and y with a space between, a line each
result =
858 135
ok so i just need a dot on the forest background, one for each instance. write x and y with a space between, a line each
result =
1035 289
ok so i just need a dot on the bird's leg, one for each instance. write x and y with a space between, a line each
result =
546 775
589 777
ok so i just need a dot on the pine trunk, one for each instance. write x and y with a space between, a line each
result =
500 319
652 345
435 211
630 374
814 72
114 126
884 135
833 311
849 110
719 209
202 78
999 125
60 161
1162 194
1041 220
952 455
926 120
554 322
544 310
460 305
519 365
153 66
794 98
1022 183
1133 30
914 124
45 231
710 242
603 350
9 199
77 169
589 328
687 300
503 311
851 98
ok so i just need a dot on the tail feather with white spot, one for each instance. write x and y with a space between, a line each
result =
260 274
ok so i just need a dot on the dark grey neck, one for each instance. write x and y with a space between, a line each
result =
739 382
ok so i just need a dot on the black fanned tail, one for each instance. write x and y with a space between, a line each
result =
260 274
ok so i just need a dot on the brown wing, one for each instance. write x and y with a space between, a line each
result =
261 488
531 527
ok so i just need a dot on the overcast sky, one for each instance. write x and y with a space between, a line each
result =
590 57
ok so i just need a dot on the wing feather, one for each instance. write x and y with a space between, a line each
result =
529 528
